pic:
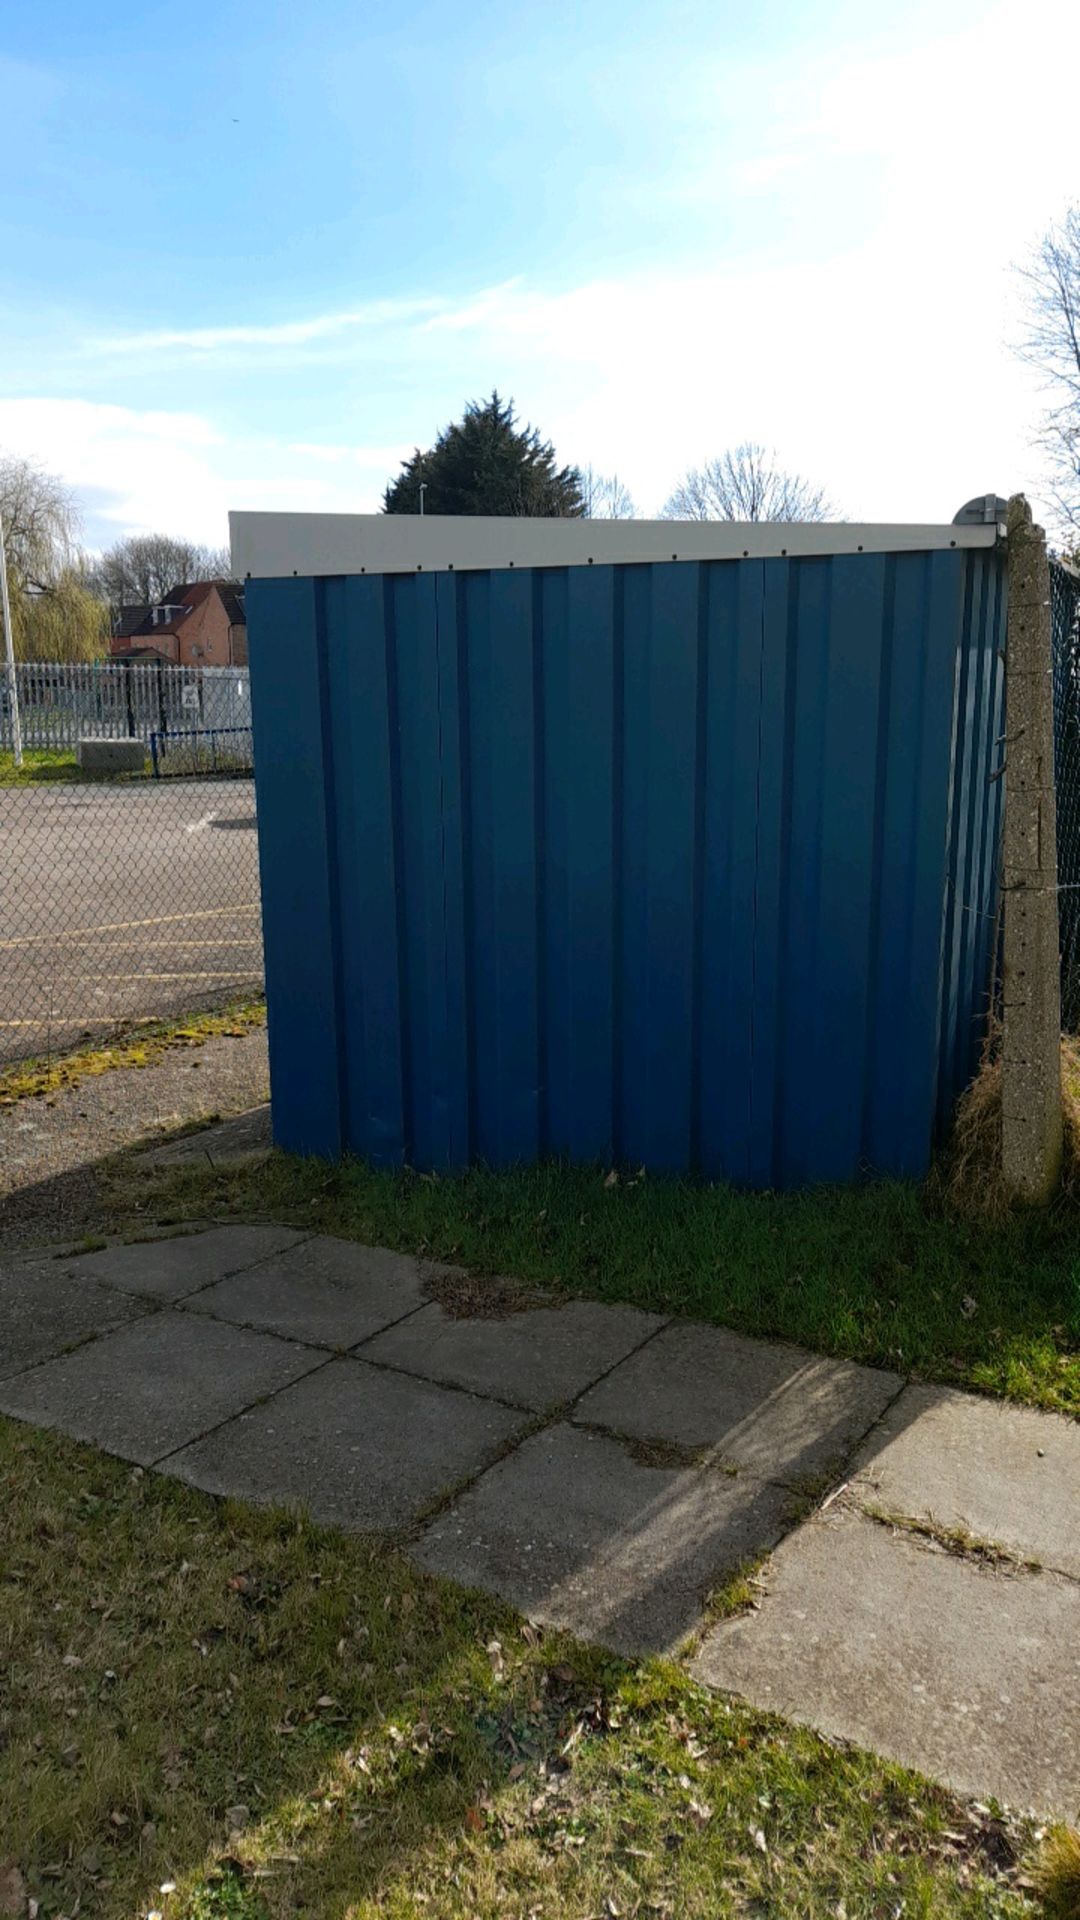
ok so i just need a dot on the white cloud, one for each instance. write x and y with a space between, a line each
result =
286 333
150 471
862 325
387 458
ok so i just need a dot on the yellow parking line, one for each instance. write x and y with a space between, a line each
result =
171 946
122 926
236 973
90 1020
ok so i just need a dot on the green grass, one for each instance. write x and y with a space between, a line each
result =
1058 1874
873 1273
46 765
268 1720
40 764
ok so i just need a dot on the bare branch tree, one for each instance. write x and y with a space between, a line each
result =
1052 344
606 496
41 523
54 613
745 483
144 568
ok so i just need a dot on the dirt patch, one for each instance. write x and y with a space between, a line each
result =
670 1454
474 1296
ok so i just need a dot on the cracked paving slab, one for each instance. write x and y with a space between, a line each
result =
868 1634
357 1447
167 1268
537 1358
1004 1473
775 1410
333 1293
44 1311
575 1532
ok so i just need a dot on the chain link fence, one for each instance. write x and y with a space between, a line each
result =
125 897
1065 620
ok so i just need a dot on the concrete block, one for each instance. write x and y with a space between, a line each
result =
111 756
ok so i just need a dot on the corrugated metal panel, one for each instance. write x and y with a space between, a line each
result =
688 865
971 930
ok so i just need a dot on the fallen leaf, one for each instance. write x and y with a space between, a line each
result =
474 1820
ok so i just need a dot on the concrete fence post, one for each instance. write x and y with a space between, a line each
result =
1031 1041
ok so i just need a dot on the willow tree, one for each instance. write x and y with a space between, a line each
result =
55 615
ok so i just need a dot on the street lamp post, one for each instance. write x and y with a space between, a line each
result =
9 653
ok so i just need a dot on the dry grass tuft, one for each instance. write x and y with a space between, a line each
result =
968 1179
1057 1874
481 1296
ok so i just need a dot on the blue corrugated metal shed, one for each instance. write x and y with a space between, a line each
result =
689 864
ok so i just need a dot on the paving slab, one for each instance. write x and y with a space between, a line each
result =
44 1311
243 1140
537 1358
167 1269
577 1533
357 1447
149 1388
1009 1474
776 1410
972 1676
331 1292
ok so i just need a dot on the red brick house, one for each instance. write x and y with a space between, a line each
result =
198 626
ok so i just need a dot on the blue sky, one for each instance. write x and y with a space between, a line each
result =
254 253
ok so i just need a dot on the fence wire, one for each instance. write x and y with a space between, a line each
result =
125 897
1065 624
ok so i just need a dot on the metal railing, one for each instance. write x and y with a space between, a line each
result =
60 702
205 750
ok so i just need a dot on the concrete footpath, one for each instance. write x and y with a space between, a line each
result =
52 1146
606 1470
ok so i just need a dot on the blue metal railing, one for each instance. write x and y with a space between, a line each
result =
205 755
